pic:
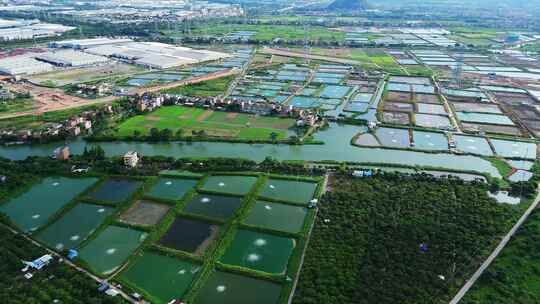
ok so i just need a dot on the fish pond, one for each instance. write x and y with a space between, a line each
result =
227 288
229 184
74 227
35 207
171 188
165 278
110 249
259 251
115 190
189 235
215 206
277 216
289 190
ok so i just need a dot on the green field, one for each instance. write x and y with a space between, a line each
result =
215 124
270 32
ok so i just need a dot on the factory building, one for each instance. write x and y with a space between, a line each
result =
71 58
156 55
87 43
23 65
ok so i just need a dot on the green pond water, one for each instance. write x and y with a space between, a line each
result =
228 288
74 227
259 251
337 147
165 278
33 208
216 206
277 216
229 184
110 249
115 190
289 190
171 188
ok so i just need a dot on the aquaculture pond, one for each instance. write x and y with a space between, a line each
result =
115 190
337 147
519 149
430 141
228 288
110 249
289 190
277 216
165 278
472 144
145 213
34 208
74 227
485 118
229 184
391 137
259 251
189 235
215 206
171 188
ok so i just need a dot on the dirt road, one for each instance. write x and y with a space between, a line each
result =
51 99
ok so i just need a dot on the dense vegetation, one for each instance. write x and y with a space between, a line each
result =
396 239
56 282
515 274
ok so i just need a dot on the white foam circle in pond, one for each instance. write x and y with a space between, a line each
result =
182 271
205 200
221 288
272 187
35 216
221 184
260 242
168 183
253 257
59 246
75 238
56 184
101 210
268 207
110 251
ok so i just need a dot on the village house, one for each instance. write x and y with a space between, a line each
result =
131 159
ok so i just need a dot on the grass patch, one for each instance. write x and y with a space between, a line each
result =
208 88
214 124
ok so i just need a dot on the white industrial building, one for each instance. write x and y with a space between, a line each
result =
87 43
23 65
156 55
29 29
71 58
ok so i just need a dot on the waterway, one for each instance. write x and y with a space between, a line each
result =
337 147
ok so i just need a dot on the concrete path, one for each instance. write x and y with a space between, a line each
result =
495 252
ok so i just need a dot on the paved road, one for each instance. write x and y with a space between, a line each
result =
495 252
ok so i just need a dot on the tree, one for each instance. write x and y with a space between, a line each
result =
165 134
154 134
273 136
179 133
136 133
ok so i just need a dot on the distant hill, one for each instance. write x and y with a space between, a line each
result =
349 5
